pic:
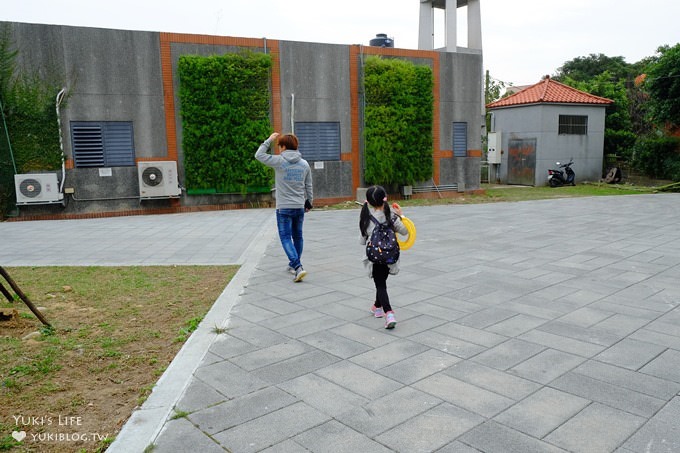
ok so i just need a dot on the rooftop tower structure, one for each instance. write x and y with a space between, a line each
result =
450 7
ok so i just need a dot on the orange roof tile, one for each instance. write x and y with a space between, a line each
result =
551 92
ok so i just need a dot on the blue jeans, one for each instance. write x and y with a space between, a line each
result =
290 222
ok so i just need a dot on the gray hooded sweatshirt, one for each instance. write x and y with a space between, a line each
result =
293 176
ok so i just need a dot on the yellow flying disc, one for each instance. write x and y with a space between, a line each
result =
408 242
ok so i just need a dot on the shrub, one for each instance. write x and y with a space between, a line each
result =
398 126
658 157
225 116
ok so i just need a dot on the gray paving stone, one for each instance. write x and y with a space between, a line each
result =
621 325
598 428
516 325
547 365
592 335
181 435
270 355
508 354
383 356
464 395
309 327
257 336
470 334
493 380
636 381
492 437
231 413
226 346
665 366
322 394
585 317
631 354
430 430
334 437
294 367
359 380
388 411
539 414
419 366
287 446
561 343
371 337
198 395
228 379
661 433
290 319
611 395
445 343
436 311
486 317
457 447
335 344
651 336
271 429
413 325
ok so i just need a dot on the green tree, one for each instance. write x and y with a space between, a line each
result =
586 68
618 134
663 85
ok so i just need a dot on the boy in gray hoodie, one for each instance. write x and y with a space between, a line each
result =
293 188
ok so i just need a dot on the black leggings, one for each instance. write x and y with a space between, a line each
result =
380 273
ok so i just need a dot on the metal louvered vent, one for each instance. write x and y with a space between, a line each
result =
152 176
30 187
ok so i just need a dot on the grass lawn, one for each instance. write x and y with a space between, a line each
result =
115 331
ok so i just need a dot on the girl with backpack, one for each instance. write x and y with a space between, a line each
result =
376 211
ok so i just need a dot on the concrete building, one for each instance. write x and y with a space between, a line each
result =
544 123
130 78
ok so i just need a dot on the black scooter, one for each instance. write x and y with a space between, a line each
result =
558 179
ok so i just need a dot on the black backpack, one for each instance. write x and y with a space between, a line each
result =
382 247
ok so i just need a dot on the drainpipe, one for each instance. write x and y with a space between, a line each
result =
60 98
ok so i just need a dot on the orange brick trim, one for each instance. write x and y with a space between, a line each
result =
443 154
354 108
474 153
436 130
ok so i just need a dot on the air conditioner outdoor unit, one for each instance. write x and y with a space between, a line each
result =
158 179
37 188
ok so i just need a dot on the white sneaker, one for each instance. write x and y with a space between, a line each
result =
299 274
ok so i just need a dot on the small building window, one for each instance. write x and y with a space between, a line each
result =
460 144
573 125
318 141
103 143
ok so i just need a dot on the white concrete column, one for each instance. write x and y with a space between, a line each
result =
426 26
451 36
474 23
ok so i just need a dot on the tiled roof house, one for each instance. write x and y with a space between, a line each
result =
544 123
549 91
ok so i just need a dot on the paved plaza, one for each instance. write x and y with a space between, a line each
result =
537 326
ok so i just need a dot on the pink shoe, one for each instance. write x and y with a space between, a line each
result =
377 311
390 320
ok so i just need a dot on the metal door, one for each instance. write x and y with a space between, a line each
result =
522 161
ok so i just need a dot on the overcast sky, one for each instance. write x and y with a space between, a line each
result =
523 39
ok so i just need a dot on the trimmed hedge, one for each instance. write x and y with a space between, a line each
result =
398 125
225 116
